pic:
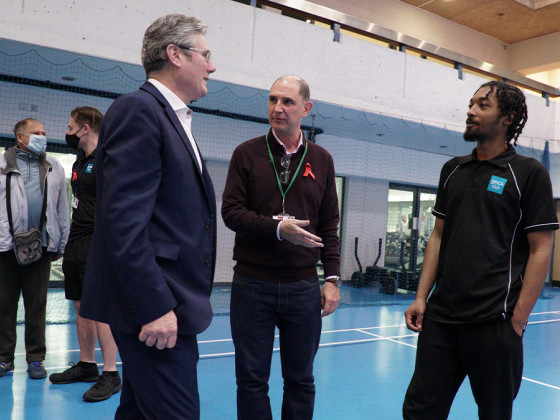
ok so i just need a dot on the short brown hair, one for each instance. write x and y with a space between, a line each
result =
87 115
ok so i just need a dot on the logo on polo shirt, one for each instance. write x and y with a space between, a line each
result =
496 184
89 168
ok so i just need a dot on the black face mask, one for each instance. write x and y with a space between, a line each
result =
72 140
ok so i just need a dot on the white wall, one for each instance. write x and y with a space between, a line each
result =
253 47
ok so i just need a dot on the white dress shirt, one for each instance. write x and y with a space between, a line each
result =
300 143
184 113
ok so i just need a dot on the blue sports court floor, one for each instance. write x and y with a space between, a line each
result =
362 370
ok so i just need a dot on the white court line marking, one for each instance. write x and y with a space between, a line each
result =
544 313
221 340
364 328
548 321
56 351
333 344
541 383
322 332
393 339
215 355
361 329
366 340
523 377
210 356
336 343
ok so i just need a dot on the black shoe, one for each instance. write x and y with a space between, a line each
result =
76 373
6 367
36 370
106 386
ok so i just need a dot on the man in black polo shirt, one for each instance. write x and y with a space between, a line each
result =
488 257
83 133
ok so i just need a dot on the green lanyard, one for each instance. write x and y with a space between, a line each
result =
282 192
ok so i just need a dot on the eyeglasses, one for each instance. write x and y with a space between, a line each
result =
285 174
204 53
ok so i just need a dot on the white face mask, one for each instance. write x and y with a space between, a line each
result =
37 144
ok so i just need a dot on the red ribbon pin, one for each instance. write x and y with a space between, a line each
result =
308 171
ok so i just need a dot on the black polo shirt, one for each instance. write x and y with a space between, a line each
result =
489 207
83 188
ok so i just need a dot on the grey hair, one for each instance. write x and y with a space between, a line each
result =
20 126
303 86
169 29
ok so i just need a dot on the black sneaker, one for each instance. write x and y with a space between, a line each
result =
6 367
76 373
106 386
36 370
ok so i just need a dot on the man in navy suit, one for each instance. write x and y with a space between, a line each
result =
152 258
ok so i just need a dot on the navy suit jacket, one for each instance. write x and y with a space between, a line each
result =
154 242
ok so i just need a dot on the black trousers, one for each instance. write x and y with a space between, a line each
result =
491 355
32 281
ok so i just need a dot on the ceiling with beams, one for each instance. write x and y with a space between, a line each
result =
509 21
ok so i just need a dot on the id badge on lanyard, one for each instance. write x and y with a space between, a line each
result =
283 216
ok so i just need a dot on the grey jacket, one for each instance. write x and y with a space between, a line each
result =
57 216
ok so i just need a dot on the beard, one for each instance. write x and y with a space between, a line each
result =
469 136
476 135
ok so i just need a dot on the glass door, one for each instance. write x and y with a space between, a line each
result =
399 228
423 225
409 225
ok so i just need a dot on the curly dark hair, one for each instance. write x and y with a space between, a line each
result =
511 102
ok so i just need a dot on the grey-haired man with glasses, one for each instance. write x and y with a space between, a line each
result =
280 199
153 250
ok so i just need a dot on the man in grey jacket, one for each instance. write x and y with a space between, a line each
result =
31 169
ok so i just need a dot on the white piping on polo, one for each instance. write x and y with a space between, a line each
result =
512 239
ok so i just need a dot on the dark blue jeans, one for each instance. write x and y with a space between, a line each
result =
257 307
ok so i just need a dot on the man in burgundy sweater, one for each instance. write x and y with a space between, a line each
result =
280 199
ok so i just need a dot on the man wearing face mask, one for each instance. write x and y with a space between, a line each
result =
30 173
83 133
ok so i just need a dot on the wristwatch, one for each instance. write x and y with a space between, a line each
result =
337 281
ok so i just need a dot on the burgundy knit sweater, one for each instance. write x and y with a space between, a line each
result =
251 197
